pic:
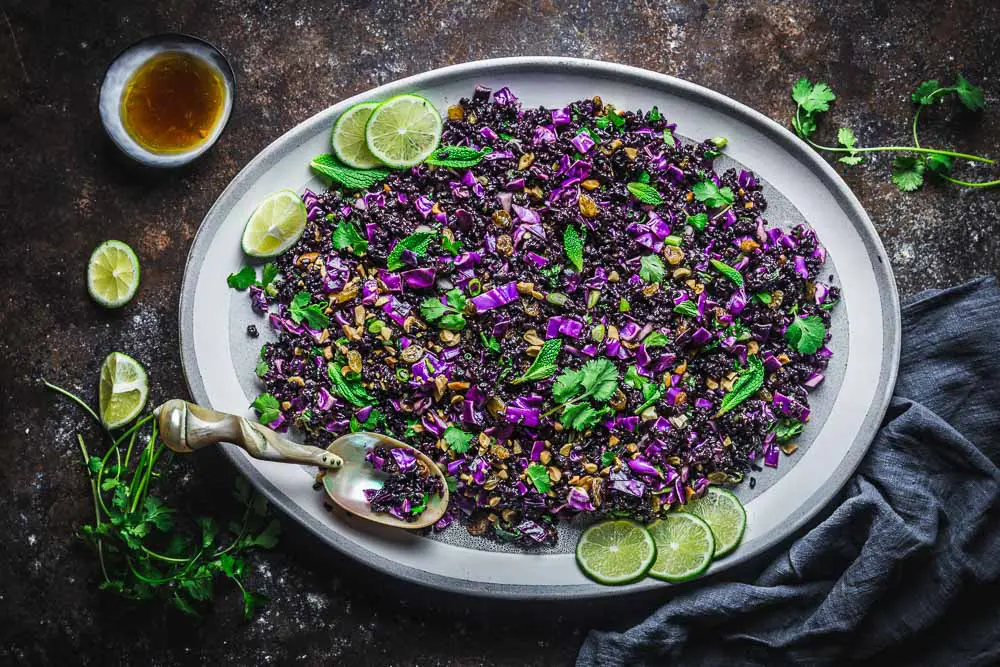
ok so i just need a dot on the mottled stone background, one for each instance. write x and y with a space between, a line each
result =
62 191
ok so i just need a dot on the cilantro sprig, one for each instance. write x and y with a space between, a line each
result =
247 277
300 309
447 315
908 170
806 334
580 393
346 235
148 549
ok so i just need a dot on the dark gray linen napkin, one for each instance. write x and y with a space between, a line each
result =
903 569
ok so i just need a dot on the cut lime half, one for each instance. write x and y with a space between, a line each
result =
348 137
113 274
615 552
276 224
123 391
684 547
403 131
724 514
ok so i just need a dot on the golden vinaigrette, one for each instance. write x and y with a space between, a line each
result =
173 102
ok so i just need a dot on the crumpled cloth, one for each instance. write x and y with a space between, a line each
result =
903 567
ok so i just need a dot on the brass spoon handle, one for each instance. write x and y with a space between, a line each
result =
186 427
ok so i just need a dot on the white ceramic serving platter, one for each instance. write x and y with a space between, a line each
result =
218 357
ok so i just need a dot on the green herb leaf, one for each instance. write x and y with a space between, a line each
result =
453 322
580 416
268 274
451 247
347 236
812 97
651 268
668 137
490 342
747 384
908 173
728 271
242 279
939 164
350 178
852 159
456 299
539 476
687 308
599 379
786 429
573 245
418 243
300 309
266 407
267 538
350 390
763 297
432 309
924 94
846 138
806 334
458 440
971 96
608 457
712 195
544 364
699 221
656 339
653 115
804 125
567 385
645 193
457 157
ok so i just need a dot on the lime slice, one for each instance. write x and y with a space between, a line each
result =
615 552
724 514
275 226
123 392
403 131
348 138
684 547
113 274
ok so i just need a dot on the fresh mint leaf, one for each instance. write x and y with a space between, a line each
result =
539 476
746 385
351 391
645 193
300 309
655 339
352 179
651 268
653 115
763 297
806 334
728 271
347 236
573 245
243 279
458 440
688 308
457 157
544 364
608 457
786 429
417 243
266 407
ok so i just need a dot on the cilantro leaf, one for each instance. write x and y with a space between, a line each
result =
580 417
347 236
448 316
268 274
457 157
266 407
539 476
712 195
804 125
786 429
608 457
566 385
806 334
970 95
432 309
242 279
418 242
812 97
456 299
544 364
728 271
688 308
458 440
846 138
490 342
453 322
267 538
451 247
925 92
939 164
852 160
699 221
645 193
300 309
350 178
908 173
651 268
599 379
573 245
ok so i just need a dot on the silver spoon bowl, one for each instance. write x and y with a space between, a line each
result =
186 427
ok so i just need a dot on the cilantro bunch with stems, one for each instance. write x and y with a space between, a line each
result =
909 169
149 550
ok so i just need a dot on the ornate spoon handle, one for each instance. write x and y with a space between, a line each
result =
186 427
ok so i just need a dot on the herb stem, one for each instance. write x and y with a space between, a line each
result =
79 401
953 181
243 529
97 509
719 214
901 149
168 559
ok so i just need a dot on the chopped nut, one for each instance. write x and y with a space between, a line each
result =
484 440
789 448
535 192
538 296
531 337
349 292
783 358
491 484
682 272
440 384
598 104
612 332
590 184
412 353
752 347
324 336
673 254
614 277
500 452
574 480
306 258
555 474
501 219
525 161
651 289
505 245
381 301
456 112
588 207
495 406
509 516
503 474
296 380
328 353
458 386
590 467
530 308
681 398
681 368
354 361
631 152
449 338
557 427
409 322
711 383
632 447
516 447
359 314
748 245
286 405
385 333
352 333
565 449
613 440
545 457
524 288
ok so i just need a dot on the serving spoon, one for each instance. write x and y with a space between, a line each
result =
186 427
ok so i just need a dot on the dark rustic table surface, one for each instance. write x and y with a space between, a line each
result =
64 191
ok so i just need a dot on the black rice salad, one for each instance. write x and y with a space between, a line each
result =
408 486
578 315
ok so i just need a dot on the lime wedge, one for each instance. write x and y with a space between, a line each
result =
684 547
724 514
348 138
275 226
615 552
124 389
113 274
403 131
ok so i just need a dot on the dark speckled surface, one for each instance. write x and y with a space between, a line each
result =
64 191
